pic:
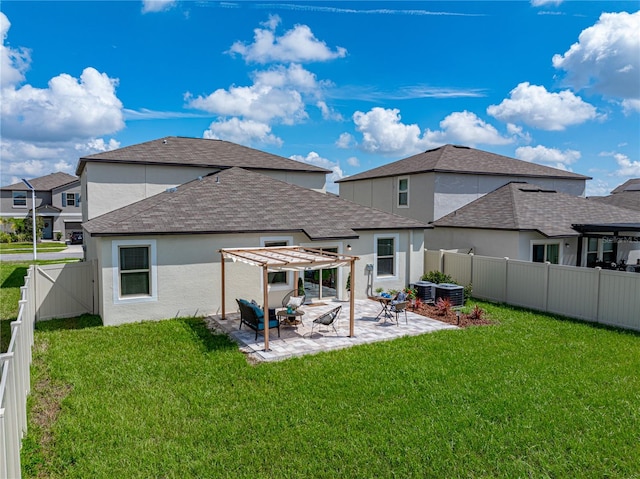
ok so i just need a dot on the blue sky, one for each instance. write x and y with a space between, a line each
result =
344 85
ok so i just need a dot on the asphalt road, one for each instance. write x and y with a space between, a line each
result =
72 251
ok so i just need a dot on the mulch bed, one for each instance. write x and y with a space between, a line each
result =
451 316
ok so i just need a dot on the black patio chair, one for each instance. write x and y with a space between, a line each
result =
327 319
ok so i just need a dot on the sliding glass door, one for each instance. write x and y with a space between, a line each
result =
322 283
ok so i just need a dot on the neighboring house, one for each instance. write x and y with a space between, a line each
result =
533 223
626 195
159 257
430 185
121 177
58 202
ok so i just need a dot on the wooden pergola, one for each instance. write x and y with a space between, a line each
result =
287 258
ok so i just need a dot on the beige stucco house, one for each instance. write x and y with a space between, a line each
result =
57 198
432 184
158 256
527 222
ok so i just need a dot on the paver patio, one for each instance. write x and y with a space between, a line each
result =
298 341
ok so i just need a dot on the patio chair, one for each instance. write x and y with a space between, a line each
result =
293 299
397 308
253 316
327 319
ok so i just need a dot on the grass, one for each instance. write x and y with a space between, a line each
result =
533 396
46 247
12 275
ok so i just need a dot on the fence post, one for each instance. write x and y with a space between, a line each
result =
506 279
441 261
471 271
598 318
545 299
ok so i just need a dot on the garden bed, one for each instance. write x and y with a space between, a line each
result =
450 315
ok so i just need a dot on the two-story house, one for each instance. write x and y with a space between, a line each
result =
432 184
158 213
57 198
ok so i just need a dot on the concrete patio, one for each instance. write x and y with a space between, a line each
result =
298 341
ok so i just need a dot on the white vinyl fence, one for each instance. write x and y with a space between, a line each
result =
57 290
590 294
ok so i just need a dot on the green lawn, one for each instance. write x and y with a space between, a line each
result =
47 247
12 275
533 396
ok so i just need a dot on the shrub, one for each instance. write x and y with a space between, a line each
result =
5 237
476 313
468 291
443 306
58 236
437 277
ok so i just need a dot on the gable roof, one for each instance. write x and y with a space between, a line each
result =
45 183
197 152
630 185
236 200
523 206
464 160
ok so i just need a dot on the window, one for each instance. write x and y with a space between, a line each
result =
601 250
134 271
386 255
71 199
19 199
403 192
280 279
542 252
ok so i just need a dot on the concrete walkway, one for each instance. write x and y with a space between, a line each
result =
297 340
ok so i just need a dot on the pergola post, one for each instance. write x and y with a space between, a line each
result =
265 306
352 299
222 285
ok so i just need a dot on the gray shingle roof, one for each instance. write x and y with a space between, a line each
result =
461 159
198 152
522 206
242 201
45 183
625 199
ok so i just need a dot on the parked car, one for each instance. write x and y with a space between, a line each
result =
76 237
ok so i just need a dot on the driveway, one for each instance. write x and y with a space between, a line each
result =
72 251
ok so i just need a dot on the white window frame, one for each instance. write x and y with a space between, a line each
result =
13 197
153 272
73 199
546 243
396 241
399 191
264 240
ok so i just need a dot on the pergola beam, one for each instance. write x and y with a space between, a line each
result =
287 258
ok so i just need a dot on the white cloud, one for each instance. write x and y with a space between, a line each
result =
68 108
353 161
297 45
346 140
544 3
626 166
150 6
629 106
244 132
534 106
13 62
24 159
314 158
275 95
548 156
328 113
606 57
383 132
466 128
